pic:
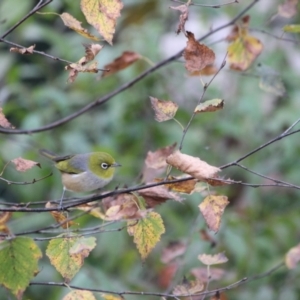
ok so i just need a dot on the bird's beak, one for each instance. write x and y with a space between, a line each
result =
116 165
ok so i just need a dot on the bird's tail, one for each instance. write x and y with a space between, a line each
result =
48 154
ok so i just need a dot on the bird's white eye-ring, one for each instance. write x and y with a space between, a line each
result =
104 166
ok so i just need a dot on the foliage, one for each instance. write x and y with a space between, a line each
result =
209 162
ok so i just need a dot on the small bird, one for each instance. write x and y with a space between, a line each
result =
83 172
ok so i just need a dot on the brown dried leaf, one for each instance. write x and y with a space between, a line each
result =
102 14
288 9
164 110
217 181
121 207
192 165
209 260
23 165
75 25
75 68
183 16
166 275
91 50
155 162
173 250
122 62
157 195
59 217
185 187
212 209
197 55
210 106
25 51
207 71
3 121
293 257
189 288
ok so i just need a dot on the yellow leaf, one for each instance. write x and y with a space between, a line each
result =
212 208
164 110
102 14
75 25
243 51
146 232
79 295
111 297
294 28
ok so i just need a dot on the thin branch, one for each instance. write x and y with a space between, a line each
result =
25 182
33 11
205 5
125 86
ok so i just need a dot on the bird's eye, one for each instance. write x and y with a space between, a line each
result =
104 166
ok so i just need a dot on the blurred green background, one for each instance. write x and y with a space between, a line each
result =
258 227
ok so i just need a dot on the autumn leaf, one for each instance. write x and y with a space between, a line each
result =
244 48
164 110
25 51
189 288
184 9
22 165
158 195
121 207
59 217
146 232
197 56
294 28
122 62
4 218
66 263
207 71
212 209
4 122
201 274
185 187
217 181
75 68
293 257
155 162
210 106
79 295
75 25
288 9
102 14
193 166
91 50
209 260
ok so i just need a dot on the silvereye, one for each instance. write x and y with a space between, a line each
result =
83 172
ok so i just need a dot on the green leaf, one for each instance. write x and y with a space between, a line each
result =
67 253
147 232
294 28
19 263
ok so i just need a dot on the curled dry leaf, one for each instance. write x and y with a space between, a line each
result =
185 187
59 217
75 68
102 15
155 162
91 50
218 181
121 207
164 110
25 51
158 195
207 71
293 257
209 260
288 9
193 166
212 209
75 25
173 250
23 165
189 288
197 56
183 16
210 106
122 62
3 121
